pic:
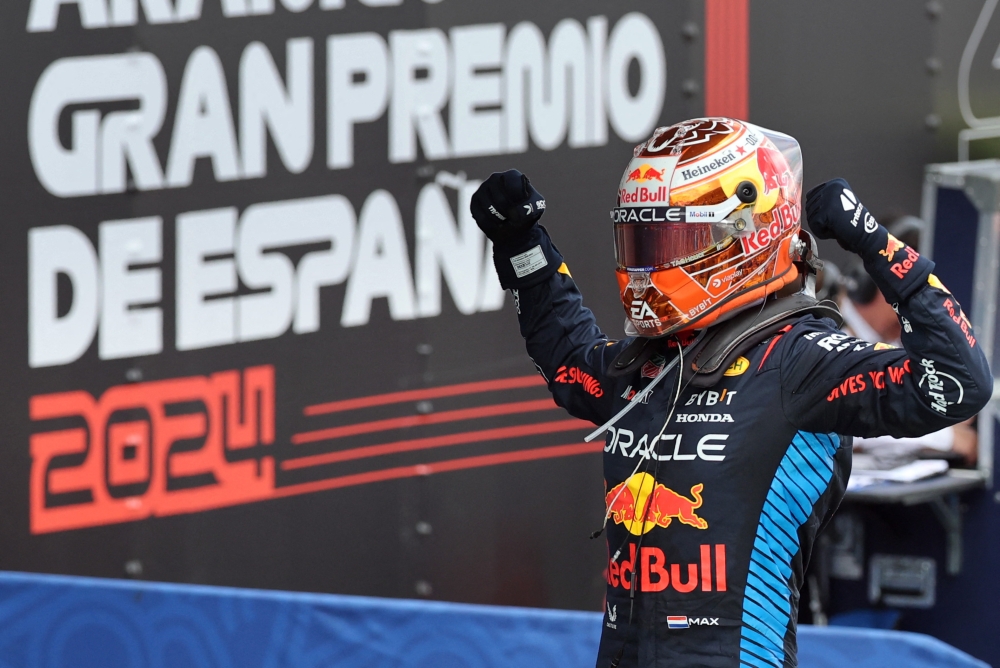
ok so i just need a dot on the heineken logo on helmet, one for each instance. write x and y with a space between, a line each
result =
709 167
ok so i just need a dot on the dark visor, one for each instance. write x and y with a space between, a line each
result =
648 246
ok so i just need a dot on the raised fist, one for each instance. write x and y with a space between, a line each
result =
834 212
506 206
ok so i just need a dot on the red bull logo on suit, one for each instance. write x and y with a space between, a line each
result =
641 503
651 572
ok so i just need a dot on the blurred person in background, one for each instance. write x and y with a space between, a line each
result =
728 411
867 315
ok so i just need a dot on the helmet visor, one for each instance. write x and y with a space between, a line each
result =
648 246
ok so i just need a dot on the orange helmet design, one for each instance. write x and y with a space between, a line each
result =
707 214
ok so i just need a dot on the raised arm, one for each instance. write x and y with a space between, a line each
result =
562 336
833 382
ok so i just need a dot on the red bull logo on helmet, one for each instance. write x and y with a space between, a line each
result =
641 503
642 195
645 172
786 217
646 181
773 169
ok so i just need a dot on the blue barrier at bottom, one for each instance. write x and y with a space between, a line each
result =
68 622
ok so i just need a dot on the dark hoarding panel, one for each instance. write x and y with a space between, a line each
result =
251 335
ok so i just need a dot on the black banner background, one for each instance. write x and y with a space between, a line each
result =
514 533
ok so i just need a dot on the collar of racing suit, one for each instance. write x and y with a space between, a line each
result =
724 342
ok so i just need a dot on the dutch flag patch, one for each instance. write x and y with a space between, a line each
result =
677 622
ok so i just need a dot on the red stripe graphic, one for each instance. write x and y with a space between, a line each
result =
771 346
727 58
419 395
398 473
420 420
431 442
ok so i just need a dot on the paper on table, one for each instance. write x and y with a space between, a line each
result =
918 470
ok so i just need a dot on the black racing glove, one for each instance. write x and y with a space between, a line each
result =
507 208
833 211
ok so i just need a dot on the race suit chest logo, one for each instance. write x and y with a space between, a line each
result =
737 368
641 504
650 448
709 398
654 366
652 573
704 417
571 375
629 395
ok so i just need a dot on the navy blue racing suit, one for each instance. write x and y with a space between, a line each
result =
709 537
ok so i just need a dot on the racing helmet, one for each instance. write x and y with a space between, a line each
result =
706 223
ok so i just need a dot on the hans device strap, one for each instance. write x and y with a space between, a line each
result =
726 341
